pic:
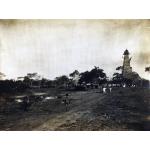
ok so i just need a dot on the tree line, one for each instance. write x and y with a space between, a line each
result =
34 80
95 76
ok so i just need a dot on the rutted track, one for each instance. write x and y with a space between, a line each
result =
123 109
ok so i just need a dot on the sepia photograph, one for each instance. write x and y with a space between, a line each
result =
75 75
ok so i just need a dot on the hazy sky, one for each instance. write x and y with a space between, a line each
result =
56 47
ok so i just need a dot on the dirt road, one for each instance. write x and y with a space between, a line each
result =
123 109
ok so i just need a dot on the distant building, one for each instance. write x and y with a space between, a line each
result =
126 69
128 73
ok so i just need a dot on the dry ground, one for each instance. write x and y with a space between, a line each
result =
123 109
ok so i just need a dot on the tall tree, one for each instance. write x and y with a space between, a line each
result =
95 75
62 80
76 72
75 76
29 78
119 68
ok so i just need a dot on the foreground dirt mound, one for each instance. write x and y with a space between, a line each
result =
123 109
127 108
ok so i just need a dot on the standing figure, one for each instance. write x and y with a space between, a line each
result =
25 103
66 101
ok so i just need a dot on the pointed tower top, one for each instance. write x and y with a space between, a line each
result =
126 52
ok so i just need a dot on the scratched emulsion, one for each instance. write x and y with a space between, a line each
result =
56 47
